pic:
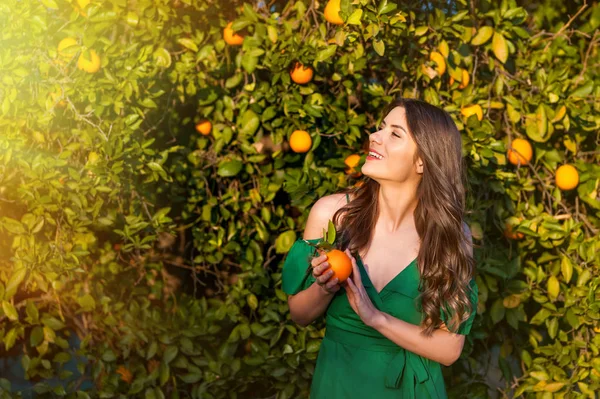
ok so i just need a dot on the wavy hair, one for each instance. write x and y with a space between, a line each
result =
445 264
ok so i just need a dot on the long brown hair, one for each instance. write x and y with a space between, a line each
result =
445 264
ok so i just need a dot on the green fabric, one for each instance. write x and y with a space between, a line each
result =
356 361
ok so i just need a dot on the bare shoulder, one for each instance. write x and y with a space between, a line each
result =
320 214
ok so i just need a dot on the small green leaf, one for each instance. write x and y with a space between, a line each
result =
252 301
500 47
421 30
379 47
50 4
188 43
331 232
10 311
284 241
170 354
162 58
230 168
540 316
483 35
10 338
326 53
355 17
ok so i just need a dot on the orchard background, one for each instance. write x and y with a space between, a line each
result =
150 185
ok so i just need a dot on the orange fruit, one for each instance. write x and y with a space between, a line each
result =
340 263
231 38
204 127
510 234
567 177
89 62
351 162
520 152
67 48
472 110
301 74
332 12
300 141
440 61
125 374
464 80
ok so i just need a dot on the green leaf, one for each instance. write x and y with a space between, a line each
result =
566 268
37 336
248 123
497 311
87 302
188 43
379 47
53 323
162 57
483 35
500 47
331 233
230 168
284 241
252 301
385 7
10 338
170 354
540 316
50 4
584 90
10 311
326 53
355 17
421 30
249 62
12 226
14 282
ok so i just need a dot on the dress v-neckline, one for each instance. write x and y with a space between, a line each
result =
389 282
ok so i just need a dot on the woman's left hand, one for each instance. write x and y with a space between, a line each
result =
358 297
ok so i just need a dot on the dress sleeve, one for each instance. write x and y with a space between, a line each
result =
465 327
296 275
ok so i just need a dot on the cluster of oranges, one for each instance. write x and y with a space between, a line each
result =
88 61
520 152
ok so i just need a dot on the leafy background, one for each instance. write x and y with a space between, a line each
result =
139 258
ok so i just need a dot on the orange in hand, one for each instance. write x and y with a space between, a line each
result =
340 264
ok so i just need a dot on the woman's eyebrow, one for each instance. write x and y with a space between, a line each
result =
396 126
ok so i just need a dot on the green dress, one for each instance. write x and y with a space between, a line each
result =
355 360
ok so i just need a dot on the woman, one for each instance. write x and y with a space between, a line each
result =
412 296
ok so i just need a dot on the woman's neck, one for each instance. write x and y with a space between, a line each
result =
397 204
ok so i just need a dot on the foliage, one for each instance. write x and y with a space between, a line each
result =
161 247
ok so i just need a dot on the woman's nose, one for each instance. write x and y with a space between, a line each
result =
375 137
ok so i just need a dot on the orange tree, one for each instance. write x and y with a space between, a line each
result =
158 158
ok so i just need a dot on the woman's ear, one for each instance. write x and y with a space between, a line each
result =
419 166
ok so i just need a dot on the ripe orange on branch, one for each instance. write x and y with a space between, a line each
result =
567 177
332 12
231 38
520 152
300 141
89 61
204 127
301 74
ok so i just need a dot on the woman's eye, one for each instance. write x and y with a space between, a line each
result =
394 134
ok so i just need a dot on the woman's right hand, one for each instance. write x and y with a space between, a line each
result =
322 272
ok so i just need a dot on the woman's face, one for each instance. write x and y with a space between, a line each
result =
392 150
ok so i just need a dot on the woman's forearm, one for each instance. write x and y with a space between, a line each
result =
306 306
442 347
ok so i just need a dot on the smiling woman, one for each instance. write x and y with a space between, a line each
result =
412 296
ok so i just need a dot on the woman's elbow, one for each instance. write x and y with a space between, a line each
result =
452 357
